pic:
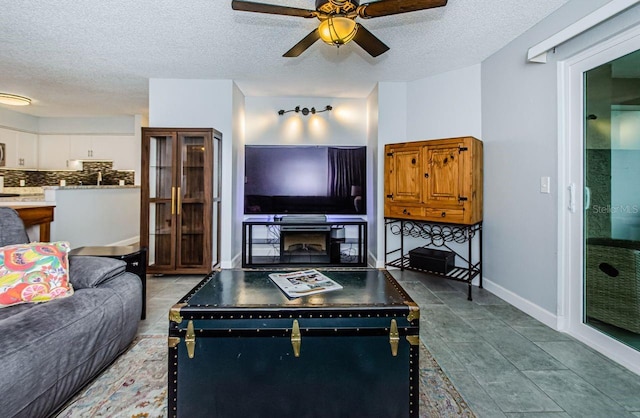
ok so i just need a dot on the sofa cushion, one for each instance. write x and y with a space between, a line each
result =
86 271
35 272
11 228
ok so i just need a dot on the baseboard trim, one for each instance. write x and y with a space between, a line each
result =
542 315
236 262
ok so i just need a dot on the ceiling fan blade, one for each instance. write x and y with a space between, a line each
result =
250 6
392 7
302 46
369 42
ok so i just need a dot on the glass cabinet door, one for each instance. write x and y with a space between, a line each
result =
162 199
194 197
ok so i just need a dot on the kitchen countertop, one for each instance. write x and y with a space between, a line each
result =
24 191
90 186
35 196
30 200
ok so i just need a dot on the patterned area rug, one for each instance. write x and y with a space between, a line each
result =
136 386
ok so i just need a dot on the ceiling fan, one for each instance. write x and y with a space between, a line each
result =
337 20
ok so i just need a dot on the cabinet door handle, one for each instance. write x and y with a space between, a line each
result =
443 214
173 201
426 175
179 203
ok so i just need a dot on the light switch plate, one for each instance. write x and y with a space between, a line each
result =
545 184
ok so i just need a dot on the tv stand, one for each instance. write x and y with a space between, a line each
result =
301 241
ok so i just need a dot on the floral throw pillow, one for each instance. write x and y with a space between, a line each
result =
35 272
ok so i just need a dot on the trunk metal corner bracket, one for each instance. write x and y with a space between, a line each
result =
414 311
174 312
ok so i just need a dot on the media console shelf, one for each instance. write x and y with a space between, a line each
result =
435 234
339 242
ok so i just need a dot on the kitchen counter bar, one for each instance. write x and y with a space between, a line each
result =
37 215
87 215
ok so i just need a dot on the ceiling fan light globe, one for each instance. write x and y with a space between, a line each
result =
337 30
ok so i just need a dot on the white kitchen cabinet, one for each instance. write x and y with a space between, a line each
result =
56 150
123 150
20 149
117 148
27 150
80 147
53 152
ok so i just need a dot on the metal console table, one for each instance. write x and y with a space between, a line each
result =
333 243
436 235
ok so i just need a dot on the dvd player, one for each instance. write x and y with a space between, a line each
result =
307 219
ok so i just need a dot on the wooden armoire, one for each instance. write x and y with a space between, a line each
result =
436 180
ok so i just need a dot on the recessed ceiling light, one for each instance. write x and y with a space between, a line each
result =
14 100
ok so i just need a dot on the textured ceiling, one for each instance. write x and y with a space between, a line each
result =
94 57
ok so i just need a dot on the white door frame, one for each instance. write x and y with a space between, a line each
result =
570 203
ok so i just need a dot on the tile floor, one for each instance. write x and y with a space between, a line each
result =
502 361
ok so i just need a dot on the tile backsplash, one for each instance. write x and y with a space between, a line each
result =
87 176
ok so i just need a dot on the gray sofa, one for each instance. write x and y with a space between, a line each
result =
51 350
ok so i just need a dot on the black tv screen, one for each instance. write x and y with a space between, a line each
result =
281 179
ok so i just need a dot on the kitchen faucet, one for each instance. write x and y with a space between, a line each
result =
99 178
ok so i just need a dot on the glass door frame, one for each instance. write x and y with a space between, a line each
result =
146 211
180 181
571 119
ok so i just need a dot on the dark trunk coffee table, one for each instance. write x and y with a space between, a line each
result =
238 347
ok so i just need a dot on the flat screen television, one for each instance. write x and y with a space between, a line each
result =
295 179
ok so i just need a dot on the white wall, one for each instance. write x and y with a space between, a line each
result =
345 124
520 130
112 125
18 121
177 103
237 209
445 105
392 128
375 212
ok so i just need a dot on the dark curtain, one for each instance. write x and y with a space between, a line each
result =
346 169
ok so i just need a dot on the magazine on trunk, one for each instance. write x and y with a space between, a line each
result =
304 283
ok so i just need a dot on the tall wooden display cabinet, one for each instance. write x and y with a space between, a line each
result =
180 199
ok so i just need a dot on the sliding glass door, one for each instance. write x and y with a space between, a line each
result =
611 178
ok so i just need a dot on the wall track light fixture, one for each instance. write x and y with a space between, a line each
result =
305 110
